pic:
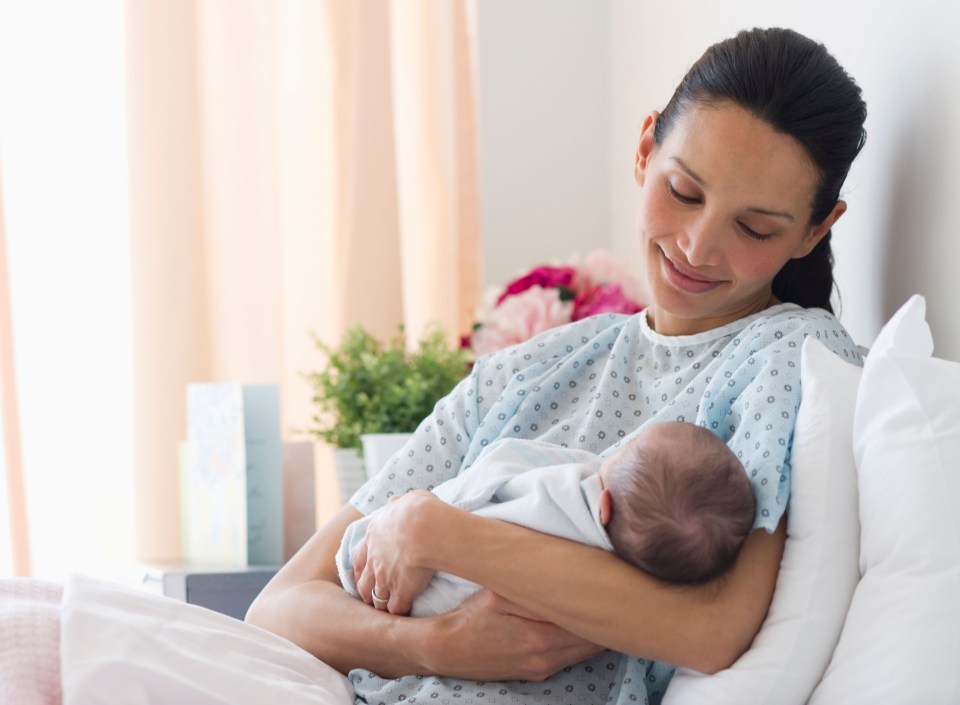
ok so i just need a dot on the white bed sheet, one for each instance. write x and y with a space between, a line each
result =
121 645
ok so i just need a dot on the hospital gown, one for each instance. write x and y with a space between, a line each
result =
592 385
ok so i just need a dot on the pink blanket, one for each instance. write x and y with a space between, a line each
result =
29 642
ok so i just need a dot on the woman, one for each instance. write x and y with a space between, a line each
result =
739 181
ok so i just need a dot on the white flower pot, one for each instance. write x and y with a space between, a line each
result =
351 471
378 448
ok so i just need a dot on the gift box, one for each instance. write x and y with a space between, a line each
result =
234 475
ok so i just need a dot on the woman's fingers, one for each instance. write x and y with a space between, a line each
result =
364 576
387 554
359 559
380 599
550 647
386 576
506 646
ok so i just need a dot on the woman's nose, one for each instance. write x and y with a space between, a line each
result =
700 242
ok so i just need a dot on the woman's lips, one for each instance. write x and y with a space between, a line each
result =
686 280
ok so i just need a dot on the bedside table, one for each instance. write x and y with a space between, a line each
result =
226 589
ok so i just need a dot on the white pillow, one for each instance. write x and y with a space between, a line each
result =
819 569
901 639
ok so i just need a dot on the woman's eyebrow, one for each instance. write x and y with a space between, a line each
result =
690 172
762 211
776 214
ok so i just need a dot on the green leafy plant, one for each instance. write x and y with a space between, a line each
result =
371 386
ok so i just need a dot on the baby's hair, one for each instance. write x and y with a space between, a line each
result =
680 513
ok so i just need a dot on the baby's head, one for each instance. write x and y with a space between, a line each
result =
677 503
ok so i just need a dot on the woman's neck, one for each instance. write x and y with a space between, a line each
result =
665 323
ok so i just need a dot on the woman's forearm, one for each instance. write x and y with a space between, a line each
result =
306 604
594 594
344 632
482 639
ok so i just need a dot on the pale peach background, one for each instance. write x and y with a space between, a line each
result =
294 167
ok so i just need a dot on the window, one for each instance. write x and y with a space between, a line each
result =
63 165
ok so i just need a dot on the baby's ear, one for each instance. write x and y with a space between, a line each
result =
606 506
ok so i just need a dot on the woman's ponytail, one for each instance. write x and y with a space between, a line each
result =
808 281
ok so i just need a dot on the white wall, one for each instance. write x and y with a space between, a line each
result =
544 180
898 235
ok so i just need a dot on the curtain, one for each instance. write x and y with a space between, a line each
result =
291 168
295 167
12 466
67 417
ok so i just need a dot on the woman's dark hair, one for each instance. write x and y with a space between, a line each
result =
794 85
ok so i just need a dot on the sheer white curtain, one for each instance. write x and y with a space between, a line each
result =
63 164
192 187
13 533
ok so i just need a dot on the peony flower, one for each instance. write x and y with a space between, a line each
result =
605 298
543 276
552 295
519 318
600 267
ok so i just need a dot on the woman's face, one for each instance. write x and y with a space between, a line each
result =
725 202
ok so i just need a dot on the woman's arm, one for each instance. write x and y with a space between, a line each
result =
305 603
584 590
486 638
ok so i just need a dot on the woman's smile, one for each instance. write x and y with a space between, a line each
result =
685 278
724 204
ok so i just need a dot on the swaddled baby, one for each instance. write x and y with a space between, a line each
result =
673 501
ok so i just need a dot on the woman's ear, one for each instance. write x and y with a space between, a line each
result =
645 147
818 231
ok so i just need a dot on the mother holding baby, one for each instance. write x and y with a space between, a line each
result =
739 181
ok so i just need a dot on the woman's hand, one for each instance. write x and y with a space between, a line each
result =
387 567
490 638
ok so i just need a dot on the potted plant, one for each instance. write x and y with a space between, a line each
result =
367 387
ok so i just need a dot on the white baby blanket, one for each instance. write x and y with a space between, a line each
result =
539 485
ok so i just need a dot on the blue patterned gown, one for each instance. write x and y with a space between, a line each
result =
591 385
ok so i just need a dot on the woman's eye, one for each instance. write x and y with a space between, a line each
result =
750 232
679 196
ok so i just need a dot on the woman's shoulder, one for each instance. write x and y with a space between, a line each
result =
789 324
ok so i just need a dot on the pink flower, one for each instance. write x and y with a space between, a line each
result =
546 277
606 298
600 267
552 295
520 317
